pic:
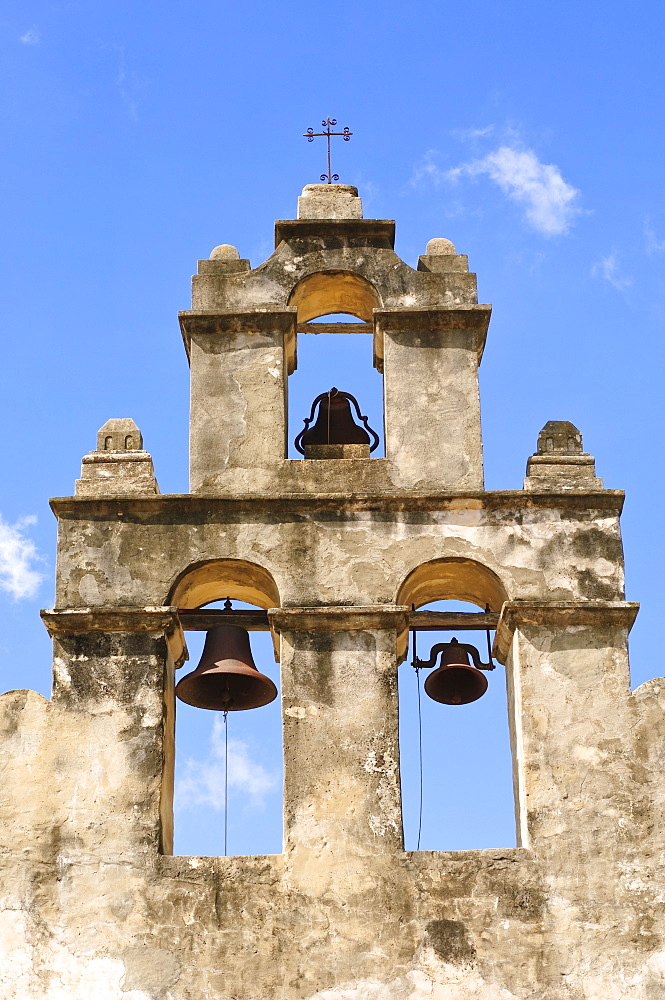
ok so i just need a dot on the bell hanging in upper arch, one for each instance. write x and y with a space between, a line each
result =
226 679
335 426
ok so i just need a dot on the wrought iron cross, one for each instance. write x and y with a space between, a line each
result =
328 125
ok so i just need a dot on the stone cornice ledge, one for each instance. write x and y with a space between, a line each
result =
340 229
72 621
559 615
340 619
212 321
397 501
472 320
215 322
474 317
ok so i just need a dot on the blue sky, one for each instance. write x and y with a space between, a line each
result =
137 136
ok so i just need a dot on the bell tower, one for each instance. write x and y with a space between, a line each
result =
428 333
339 551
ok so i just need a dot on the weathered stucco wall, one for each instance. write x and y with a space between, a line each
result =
115 552
91 904
91 901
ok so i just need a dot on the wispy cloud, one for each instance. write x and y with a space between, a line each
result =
653 244
608 268
466 134
30 37
202 781
550 203
18 554
126 81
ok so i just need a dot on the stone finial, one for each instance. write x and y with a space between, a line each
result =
119 434
330 201
441 256
224 252
440 246
119 466
559 437
560 463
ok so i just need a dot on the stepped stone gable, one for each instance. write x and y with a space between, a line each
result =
337 551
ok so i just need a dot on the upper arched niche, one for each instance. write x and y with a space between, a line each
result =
452 579
221 578
326 292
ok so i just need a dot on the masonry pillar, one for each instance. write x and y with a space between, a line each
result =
429 360
567 666
114 667
341 751
239 365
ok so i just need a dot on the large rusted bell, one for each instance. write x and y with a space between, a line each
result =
226 679
456 681
335 423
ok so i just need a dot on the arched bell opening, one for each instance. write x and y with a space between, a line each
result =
335 352
234 638
217 579
467 762
325 293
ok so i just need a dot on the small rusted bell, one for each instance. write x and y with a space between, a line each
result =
455 681
335 424
226 679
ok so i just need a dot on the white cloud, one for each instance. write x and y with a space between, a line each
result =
608 269
550 203
17 557
31 37
202 781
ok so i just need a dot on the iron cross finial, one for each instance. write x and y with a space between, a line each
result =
328 125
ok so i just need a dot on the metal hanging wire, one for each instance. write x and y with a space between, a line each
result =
414 664
226 781
227 607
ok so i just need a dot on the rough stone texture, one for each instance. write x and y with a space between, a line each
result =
338 451
92 904
120 465
330 201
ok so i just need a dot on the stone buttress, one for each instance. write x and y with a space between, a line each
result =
337 551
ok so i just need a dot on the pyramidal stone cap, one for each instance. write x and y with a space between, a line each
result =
119 466
560 463
330 201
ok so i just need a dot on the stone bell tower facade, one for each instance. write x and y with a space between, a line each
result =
336 552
